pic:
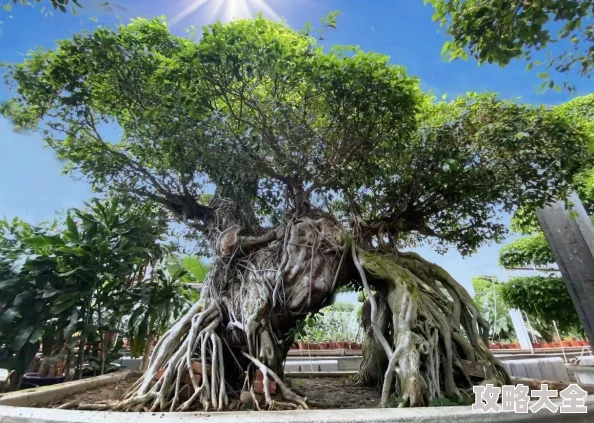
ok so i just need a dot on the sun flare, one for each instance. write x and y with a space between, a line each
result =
224 10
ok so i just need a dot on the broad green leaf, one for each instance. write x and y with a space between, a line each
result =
72 228
22 337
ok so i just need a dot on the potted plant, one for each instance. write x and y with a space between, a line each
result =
319 337
303 344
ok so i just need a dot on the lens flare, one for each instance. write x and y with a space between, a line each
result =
225 10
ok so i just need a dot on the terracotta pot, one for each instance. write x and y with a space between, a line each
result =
197 367
341 345
536 345
159 373
356 346
584 343
313 346
188 380
565 343
323 346
295 346
576 344
515 345
495 346
259 384
331 345
303 346
259 387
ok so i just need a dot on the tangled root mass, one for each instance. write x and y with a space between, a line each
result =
232 344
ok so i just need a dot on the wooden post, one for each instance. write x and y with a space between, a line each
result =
570 234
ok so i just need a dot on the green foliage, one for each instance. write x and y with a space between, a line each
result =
156 304
195 268
471 158
544 297
488 297
255 106
56 4
532 250
338 322
580 111
67 278
502 30
61 5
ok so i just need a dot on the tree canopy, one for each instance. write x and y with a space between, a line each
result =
502 30
268 117
579 110
529 251
543 297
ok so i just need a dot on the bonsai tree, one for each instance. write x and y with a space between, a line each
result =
325 166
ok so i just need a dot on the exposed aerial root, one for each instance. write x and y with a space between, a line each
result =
434 325
171 383
295 400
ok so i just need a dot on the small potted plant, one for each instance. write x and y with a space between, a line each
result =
303 342
341 345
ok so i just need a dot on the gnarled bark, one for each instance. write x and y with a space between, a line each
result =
435 324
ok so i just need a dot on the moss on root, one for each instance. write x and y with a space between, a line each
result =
435 325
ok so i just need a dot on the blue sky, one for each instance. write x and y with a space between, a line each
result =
32 185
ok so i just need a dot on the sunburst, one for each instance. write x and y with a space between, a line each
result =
224 10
